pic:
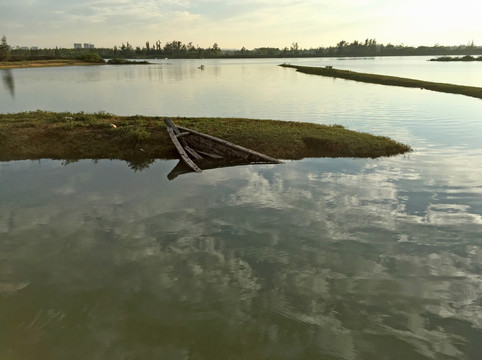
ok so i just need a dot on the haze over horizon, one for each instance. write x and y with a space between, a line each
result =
239 23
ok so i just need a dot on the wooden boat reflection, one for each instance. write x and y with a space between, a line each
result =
201 151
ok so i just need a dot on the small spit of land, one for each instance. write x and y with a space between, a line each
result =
41 63
389 80
461 58
66 62
41 134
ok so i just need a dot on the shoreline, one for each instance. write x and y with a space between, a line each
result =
329 71
42 134
25 64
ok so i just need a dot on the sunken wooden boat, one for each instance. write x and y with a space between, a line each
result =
196 148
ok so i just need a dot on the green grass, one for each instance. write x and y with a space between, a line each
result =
389 80
40 134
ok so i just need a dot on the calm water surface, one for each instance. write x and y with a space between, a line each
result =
313 259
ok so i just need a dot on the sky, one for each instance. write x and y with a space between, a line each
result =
234 24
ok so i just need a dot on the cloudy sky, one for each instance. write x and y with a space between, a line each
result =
238 23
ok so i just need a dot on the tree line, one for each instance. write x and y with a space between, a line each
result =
178 49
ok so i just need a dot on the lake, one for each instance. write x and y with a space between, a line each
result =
312 259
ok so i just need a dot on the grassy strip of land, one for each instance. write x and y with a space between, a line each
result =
462 58
41 63
41 134
389 80
65 62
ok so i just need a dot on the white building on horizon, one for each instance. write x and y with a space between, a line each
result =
85 46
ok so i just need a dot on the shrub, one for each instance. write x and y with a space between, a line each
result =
135 135
91 58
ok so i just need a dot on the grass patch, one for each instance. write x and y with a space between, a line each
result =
85 59
43 63
389 80
41 134
116 61
461 58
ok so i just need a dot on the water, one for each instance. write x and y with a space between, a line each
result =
318 258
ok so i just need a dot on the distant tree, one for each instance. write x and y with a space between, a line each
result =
4 49
216 49
341 46
294 48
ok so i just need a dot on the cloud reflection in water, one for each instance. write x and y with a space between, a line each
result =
337 258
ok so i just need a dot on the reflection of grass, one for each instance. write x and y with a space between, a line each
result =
390 80
39 134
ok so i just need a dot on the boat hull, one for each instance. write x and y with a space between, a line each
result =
195 147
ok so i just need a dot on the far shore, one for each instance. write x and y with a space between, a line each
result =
42 134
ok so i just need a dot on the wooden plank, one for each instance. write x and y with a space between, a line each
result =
182 134
192 152
211 155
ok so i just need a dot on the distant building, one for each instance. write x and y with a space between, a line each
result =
24 48
34 48
85 46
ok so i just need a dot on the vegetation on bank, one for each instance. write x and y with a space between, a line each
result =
389 80
141 139
4 49
90 57
462 58
125 62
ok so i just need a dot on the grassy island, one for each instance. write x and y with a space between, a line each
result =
41 134
462 58
389 80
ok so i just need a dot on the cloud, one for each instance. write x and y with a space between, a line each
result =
238 23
